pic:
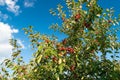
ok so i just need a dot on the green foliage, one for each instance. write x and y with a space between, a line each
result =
90 32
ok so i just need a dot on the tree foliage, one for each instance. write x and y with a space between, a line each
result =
82 55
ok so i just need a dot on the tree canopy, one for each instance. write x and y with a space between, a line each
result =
82 55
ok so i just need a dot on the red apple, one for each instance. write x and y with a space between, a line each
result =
64 41
72 68
54 59
77 16
109 21
86 24
62 48
47 41
46 57
71 50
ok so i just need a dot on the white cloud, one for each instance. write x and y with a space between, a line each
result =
29 3
5 34
3 16
11 6
14 30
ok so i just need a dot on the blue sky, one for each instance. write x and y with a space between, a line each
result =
16 14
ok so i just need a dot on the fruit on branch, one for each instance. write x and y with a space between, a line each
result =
64 41
54 59
72 68
47 40
77 17
86 24
46 57
75 75
62 48
109 21
70 50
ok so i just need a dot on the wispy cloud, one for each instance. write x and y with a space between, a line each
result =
29 3
6 33
20 43
2 2
3 16
11 5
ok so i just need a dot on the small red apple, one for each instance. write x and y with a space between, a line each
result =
46 57
77 16
47 41
62 48
72 68
54 59
64 41
71 50
75 75
87 25
109 21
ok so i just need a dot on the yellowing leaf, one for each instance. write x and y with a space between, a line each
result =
39 58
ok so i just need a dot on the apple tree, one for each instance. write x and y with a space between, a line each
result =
90 37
